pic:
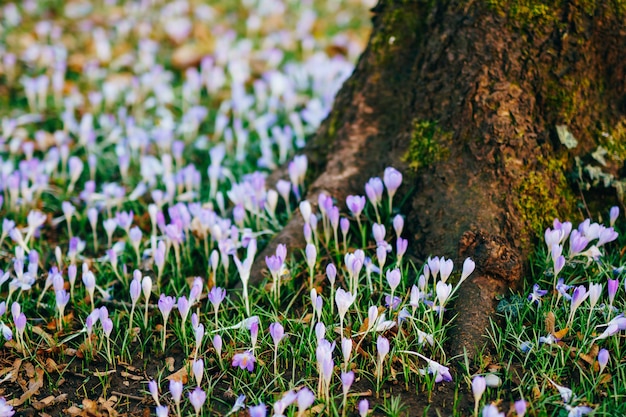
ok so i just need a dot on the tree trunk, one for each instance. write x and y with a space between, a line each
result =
466 96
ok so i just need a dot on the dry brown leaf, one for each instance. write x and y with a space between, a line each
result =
46 402
561 333
90 407
188 55
169 361
550 322
109 404
181 375
536 393
104 373
131 376
33 386
73 411
365 325
29 369
52 367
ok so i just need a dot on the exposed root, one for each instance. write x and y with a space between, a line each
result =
498 268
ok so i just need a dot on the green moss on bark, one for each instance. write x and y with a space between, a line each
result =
544 195
545 14
403 24
427 145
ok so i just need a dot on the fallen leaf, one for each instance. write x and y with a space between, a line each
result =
170 363
104 373
46 402
33 386
73 411
109 404
187 55
561 333
131 376
550 322
181 375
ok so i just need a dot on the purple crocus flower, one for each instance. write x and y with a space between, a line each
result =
277 332
197 397
259 410
162 411
244 360
304 399
344 225
606 235
378 230
603 359
392 179
613 285
183 308
364 407
374 190
491 410
577 243
613 215
468 267
176 390
382 347
62 298
536 294
398 224
393 279
355 204
6 410
347 378
217 344
216 296
274 263
579 295
401 247
154 390
166 304
124 219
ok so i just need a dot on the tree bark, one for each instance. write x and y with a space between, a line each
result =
466 96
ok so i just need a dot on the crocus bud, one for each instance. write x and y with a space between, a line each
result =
392 179
613 285
364 407
398 224
176 389
346 349
277 332
311 255
393 278
468 267
217 344
603 359
198 370
613 215
347 378
331 273
154 391
478 387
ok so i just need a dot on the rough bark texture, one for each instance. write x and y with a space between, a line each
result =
468 94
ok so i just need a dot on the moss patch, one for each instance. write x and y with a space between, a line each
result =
427 145
544 194
544 15
403 24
